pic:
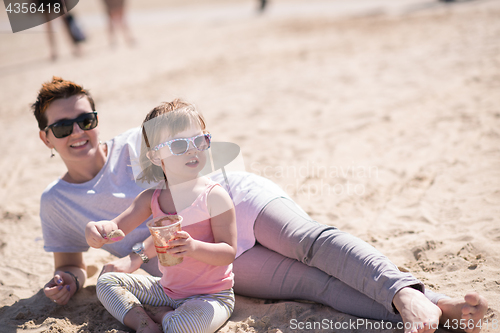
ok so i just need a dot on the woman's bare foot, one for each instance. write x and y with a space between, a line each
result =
463 314
419 314
157 312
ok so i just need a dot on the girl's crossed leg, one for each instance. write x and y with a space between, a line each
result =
123 295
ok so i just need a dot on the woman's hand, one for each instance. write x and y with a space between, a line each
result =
96 233
60 288
128 264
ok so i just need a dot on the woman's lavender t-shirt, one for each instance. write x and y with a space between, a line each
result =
65 208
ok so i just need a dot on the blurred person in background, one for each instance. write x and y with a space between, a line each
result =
262 5
51 10
115 10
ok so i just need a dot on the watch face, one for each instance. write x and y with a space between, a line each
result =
137 248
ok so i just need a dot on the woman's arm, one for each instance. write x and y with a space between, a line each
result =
223 222
132 262
69 276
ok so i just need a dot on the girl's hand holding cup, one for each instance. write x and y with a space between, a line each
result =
181 245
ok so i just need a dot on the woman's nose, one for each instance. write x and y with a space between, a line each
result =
76 128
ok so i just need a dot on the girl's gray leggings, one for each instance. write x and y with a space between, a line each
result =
299 258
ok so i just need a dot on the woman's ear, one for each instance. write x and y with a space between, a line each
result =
154 158
43 137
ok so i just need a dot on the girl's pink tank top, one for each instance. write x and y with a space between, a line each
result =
193 277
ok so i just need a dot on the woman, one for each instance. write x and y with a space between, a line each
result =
295 257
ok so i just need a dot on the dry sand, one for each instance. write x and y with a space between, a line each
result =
384 123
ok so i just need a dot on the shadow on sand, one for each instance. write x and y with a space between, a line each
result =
39 314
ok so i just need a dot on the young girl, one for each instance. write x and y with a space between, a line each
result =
195 295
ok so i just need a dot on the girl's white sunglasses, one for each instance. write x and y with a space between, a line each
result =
181 146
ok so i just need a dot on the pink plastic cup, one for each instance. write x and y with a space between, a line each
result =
162 229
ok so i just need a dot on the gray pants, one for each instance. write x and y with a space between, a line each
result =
299 258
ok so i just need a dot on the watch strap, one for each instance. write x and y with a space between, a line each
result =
144 257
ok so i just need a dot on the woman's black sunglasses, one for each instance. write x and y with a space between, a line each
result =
63 128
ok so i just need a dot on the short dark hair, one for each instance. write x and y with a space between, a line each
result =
51 91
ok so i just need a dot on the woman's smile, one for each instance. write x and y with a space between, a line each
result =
79 144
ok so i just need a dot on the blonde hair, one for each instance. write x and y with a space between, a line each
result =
171 117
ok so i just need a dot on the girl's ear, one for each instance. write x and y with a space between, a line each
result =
43 137
154 158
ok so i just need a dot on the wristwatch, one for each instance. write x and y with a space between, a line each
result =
139 250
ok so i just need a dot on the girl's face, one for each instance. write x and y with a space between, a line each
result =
80 144
181 168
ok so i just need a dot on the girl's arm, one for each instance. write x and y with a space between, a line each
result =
136 213
223 222
131 218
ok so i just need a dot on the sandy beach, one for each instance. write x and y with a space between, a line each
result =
381 118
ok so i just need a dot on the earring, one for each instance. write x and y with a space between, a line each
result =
52 153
